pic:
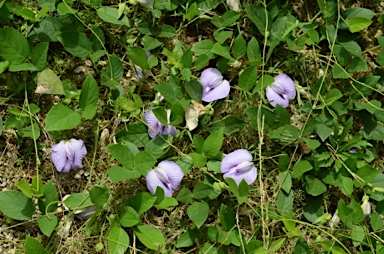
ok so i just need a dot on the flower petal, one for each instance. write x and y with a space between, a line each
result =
235 158
153 181
249 176
287 83
174 173
59 157
209 75
219 92
170 130
274 98
80 151
154 126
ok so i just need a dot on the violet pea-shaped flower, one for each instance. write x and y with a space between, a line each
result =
238 165
214 87
281 91
155 127
167 175
67 155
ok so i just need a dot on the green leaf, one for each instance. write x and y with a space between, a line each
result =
188 238
142 202
376 221
227 217
51 198
358 23
159 145
47 224
191 12
99 196
198 213
39 55
37 186
302 246
276 245
259 17
300 168
33 246
136 133
61 117
222 36
285 180
122 154
138 56
25 188
151 237
313 209
97 38
221 51
248 77
167 31
185 195
118 240
49 83
78 201
198 159
357 235
332 96
76 43
327 7
161 115
339 72
194 90
373 130
144 162
352 47
110 15
314 186
150 43
16 205
203 47
120 174
212 145
253 51
285 203
350 215
89 92
32 131
239 47
129 217
13 46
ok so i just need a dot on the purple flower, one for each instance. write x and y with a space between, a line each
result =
353 150
238 165
167 175
281 91
214 87
68 155
86 213
155 127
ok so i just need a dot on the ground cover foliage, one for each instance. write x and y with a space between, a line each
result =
91 69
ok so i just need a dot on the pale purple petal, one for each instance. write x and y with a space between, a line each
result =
174 173
234 159
154 125
171 130
287 83
219 92
86 213
153 182
249 175
79 151
275 98
59 157
209 76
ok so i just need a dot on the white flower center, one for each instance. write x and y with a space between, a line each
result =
242 167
